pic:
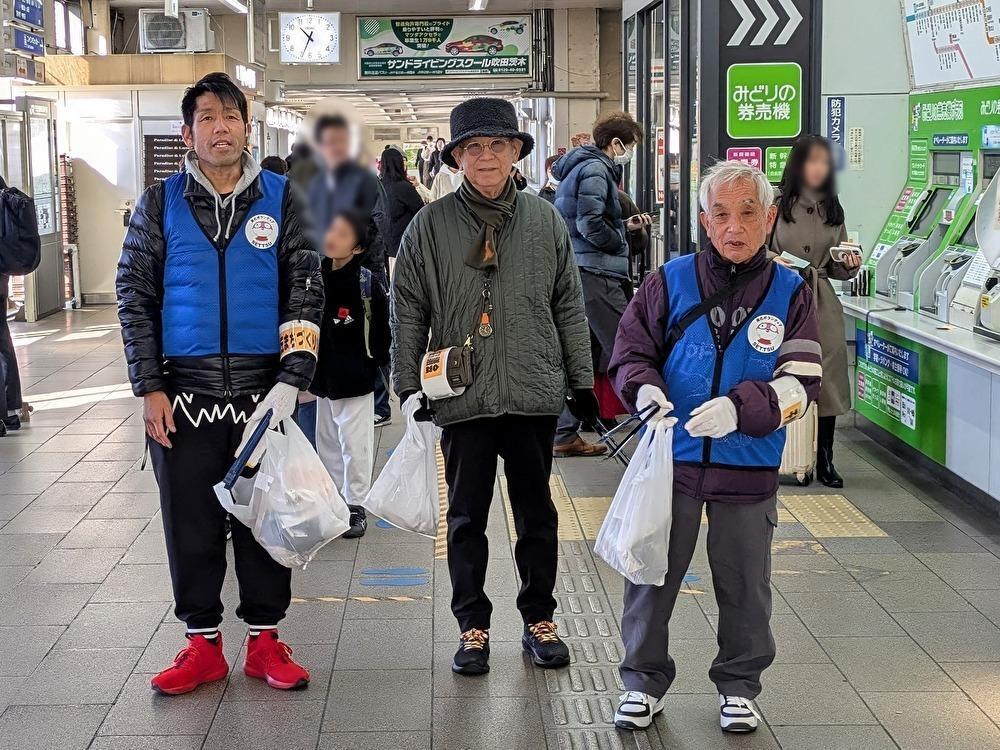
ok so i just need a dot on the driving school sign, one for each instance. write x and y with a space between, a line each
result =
455 47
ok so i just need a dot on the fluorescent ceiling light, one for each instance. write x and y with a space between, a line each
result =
478 4
237 6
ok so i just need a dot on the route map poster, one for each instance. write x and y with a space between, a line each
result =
456 47
952 41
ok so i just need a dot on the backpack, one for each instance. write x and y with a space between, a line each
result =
20 245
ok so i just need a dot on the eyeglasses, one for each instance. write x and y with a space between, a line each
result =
476 149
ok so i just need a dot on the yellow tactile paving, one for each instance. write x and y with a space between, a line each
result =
569 525
441 540
830 516
591 511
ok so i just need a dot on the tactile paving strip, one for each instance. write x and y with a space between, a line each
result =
830 516
569 526
441 540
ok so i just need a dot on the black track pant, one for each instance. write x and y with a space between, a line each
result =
208 432
470 452
10 383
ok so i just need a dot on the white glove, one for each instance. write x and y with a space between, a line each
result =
715 418
650 394
281 400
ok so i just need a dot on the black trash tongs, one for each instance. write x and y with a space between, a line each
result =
642 417
241 460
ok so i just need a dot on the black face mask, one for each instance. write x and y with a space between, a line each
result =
520 181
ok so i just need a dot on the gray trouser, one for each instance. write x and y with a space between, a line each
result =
567 428
605 299
739 555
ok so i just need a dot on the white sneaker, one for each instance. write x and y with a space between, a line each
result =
636 710
738 714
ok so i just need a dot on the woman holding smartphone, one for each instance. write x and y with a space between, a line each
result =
809 234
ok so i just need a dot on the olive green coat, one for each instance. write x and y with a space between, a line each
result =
540 346
809 238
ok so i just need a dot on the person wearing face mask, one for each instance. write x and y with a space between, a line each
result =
587 198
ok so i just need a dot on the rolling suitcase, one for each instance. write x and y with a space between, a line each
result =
799 457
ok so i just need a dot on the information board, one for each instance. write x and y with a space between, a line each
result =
952 42
902 386
162 157
29 12
455 47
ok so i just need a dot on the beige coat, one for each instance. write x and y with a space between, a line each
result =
810 238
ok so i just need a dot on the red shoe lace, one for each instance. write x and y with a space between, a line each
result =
183 655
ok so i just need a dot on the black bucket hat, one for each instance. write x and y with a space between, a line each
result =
484 116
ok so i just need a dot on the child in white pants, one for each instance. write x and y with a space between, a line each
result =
353 344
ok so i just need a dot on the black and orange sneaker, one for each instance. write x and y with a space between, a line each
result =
473 655
545 646
199 662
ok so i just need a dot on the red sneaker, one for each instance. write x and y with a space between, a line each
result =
271 660
199 662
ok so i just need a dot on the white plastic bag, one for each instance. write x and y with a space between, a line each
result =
406 492
294 507
635 536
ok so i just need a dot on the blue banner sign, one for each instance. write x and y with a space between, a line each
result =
952 139
32 44
29 12
888 355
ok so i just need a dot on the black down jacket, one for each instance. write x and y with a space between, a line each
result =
140 293
394 211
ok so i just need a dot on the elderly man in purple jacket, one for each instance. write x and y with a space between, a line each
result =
727 343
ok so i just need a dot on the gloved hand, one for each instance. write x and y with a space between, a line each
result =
715 418
583 405
281 400
650 394
424 413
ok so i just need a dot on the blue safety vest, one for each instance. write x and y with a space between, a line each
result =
221 302
695 371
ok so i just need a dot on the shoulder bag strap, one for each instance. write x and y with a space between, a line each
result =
676 332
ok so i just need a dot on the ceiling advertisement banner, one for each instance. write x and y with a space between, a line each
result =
455 47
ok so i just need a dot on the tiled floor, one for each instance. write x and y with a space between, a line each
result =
888 638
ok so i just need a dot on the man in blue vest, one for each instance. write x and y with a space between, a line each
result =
731 339
220 300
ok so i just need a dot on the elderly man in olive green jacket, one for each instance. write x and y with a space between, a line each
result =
492 270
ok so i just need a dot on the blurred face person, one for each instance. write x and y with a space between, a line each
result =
335 145
440 144
341 242
736 222
217 132
487 162
816 169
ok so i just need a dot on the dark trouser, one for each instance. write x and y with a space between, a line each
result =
382 408
305 418
567 428
10 381
824 438
470 452
739 555
194 522
605 299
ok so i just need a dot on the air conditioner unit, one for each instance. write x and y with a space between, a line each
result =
190 32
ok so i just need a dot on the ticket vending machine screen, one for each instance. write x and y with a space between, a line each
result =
991 165
947 168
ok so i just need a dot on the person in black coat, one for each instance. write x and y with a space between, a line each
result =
399 204
353 346
436 164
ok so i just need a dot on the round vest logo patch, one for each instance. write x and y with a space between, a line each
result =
262 231
766 332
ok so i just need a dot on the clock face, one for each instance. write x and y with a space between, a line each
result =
310 37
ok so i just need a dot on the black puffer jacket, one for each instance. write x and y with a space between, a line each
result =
394 211
140 293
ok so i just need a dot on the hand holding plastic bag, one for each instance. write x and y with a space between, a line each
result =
294 508
635 536
406 492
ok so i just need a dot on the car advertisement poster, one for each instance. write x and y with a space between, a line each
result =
456 47
902 386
